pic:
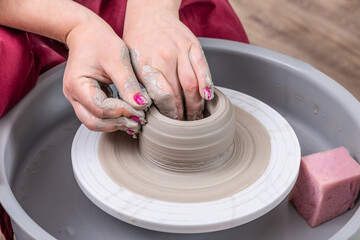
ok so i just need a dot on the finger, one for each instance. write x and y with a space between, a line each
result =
144 95
122 75
202 71
193 102
160 91
96 102
156 85
105 125
169 72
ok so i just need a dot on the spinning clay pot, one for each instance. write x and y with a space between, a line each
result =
187 146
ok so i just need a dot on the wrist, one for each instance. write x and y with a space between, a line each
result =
87 29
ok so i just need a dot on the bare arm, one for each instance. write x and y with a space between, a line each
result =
54 18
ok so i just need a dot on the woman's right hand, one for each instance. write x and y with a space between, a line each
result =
168 58
98 57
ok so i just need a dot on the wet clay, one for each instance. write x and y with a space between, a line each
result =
189 161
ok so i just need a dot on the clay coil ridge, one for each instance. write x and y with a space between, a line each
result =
190 146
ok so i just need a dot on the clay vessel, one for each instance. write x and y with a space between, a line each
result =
188 146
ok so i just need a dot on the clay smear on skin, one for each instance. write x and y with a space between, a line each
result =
125 123
121 160
208 79
125 58
157 91
195 115
131 85
114 103
101 100
208 94
99 95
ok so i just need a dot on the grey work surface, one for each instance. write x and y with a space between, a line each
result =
38 189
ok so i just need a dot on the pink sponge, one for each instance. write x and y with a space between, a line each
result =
327 185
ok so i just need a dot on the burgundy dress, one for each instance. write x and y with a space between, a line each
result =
24 56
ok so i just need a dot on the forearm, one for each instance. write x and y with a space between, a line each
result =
50 18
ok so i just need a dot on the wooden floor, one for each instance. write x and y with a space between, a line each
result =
324 33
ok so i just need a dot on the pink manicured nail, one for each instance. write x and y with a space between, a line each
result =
130 132
135 118
140 99
207 94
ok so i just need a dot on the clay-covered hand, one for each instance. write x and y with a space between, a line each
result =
167 58
98 57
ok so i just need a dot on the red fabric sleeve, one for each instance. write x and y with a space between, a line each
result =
213 19
5 225
23 56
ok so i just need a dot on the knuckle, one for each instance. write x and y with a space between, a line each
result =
197 55
190 85
165 54
122 112
67 86
67 95
196 43
99 112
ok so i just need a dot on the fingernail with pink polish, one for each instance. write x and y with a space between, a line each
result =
208 94
130 132
140 99
135 118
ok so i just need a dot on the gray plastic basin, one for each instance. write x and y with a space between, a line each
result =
39 191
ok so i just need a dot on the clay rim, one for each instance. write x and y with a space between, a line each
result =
206 120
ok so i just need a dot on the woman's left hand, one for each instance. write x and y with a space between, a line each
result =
167 58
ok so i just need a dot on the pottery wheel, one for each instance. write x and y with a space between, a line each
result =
181 177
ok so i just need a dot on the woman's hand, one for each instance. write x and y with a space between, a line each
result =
98 57
167 58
